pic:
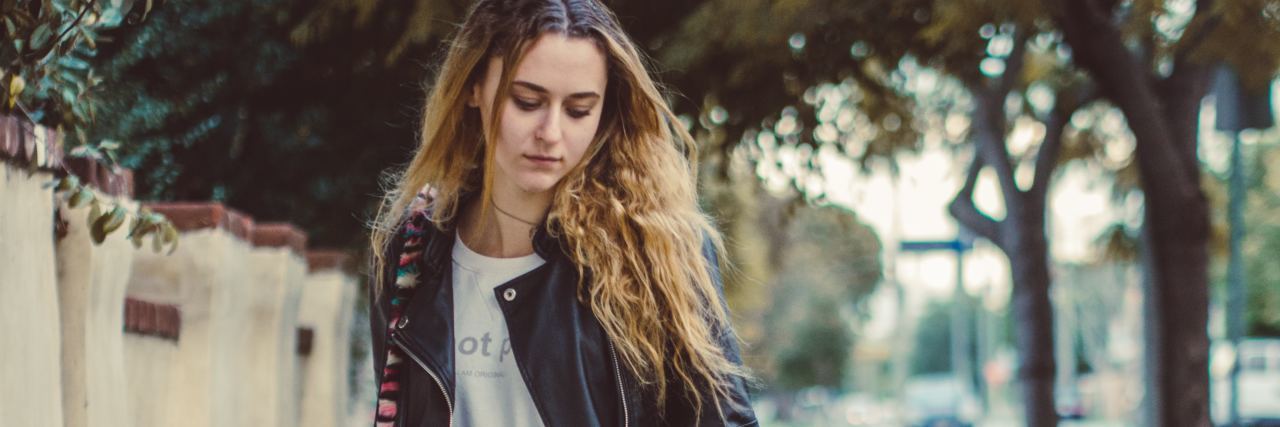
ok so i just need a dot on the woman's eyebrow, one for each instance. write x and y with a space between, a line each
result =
543 90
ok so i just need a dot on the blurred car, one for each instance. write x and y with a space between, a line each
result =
1259 382
938 400
1069 402
863 410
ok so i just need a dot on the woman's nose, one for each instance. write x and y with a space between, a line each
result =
551 130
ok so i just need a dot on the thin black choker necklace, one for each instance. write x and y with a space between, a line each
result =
495 206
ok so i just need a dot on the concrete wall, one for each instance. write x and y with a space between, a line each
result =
109 335
326 309
203 277
91 287
278 270
151 372
30 343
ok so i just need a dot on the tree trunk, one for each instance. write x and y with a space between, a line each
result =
1021 236
1177 235
1163 114
1028 253
1176 267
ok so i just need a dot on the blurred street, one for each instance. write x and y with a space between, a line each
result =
833 415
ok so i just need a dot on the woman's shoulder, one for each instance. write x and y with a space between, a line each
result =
414 221
419 211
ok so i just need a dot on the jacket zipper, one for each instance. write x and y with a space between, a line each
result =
448 403
626 416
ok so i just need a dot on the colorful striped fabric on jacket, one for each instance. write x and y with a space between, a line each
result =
406 281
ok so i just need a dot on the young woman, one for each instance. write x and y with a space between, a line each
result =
558 271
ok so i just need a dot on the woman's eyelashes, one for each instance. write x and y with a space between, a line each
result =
534 104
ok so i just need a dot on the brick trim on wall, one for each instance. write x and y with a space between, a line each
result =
306 336
329 259
192 216
152 319
26 144
280 235
115 182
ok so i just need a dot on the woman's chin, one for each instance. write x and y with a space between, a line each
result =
538 186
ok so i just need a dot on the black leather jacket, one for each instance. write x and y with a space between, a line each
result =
572 369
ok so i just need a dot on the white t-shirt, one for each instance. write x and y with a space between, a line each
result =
490 390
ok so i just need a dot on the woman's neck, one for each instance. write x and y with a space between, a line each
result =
506 229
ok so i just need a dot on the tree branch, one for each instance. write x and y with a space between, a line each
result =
965 211
1013 65
1180 93
989 130
1055 126
1201 25
1097 47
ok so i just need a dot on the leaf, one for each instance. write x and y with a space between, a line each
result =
9 27
98 230
133 227
170 233
87 151
66 183
62 184
95 211
68 95
171 236
115 219
85 195
78 109
88 37
40 37
74 63
16 84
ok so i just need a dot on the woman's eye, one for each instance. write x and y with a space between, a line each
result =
578 114
525 104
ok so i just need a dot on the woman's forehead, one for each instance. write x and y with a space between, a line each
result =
563 65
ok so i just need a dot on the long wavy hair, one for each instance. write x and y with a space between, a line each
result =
627 214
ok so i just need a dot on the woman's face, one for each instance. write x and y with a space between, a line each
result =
550 115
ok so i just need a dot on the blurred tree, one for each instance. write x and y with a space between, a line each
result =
798 278
932 353
1262 237
851 78
1153 59
45 75
229 101
829 264
1146 57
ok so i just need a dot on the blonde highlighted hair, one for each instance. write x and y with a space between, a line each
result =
627 214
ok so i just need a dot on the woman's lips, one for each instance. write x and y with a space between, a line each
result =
542 160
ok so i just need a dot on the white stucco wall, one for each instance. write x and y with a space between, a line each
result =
91 288
277 277
203 277
30 371
151 366
327 309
